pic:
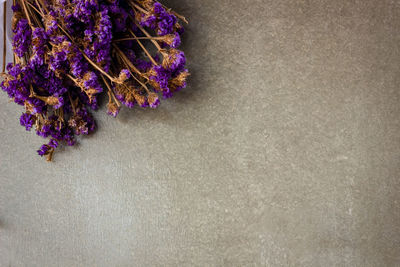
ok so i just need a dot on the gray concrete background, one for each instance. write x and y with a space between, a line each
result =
283 151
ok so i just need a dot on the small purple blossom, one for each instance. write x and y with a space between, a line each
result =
27 120
43 150
176 41
22 37
53 143
112 109
153 100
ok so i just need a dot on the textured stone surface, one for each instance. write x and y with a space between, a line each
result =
284 151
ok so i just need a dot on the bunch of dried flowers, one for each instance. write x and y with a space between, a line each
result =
67 52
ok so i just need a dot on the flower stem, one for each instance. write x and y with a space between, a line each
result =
43 4
144 49
26 12
129 64
126 60
139 38
41 11
138 7
34 8
4 35
72 103
148 35
37 21
110 91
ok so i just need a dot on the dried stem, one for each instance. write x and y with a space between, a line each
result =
26 12
37 21
110 91
33 7
4 35
37 3
125 58
139 38
43 4
141 28
72 103
136 6
148 35
144 49
129 64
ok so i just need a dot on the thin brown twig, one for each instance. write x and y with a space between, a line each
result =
4 35
148 35
133 5
144 49
124 57
110 91
138 7
72 103
129 64
26 13
139 38
44 6
37 21
37 3
33 7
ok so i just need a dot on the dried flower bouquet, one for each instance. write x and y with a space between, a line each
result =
67 52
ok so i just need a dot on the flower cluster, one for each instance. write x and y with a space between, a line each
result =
67 52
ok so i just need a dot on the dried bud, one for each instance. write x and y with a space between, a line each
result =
123 76
78 124
179 82
52 101
140 99
153 100
174 60
112 109
173 40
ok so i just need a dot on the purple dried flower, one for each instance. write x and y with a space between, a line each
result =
104 36
123 76
27 120
22 37
82 122
44 131
57 77
16 7
174 61
153 100
51 24
176 41
119 17
83 9
112 109
160 77
126 73
53 143
166 21
43 150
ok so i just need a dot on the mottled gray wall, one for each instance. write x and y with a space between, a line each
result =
283 151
